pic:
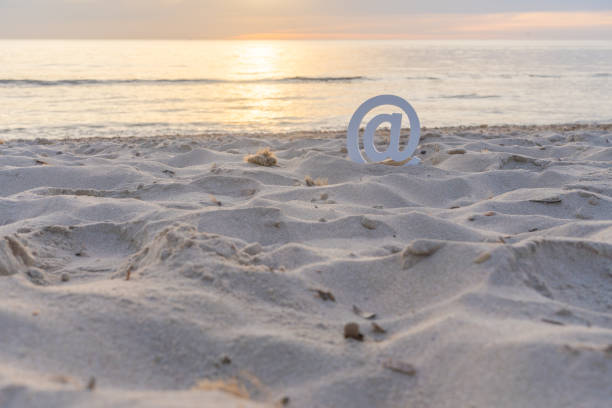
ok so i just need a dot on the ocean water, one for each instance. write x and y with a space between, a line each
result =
67 89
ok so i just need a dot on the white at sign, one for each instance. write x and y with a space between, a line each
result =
393 151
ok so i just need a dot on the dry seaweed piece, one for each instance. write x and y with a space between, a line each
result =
40 162
361 313
400 367
263 157
391 162
169 172
315 182
351 331
377 329
324 294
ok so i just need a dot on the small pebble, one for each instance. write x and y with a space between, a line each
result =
564 312
485 256
351 331
65 277
253 249
368 223
422 247
91 385
36 276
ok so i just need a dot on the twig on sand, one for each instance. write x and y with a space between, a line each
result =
400 367
361 313
377 329
324 294
232 387
214 200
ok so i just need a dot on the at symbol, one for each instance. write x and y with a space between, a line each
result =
395 120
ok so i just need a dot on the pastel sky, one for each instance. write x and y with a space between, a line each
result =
307 19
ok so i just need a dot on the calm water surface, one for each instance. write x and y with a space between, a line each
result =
130 88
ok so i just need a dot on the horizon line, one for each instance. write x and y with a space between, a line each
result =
249 38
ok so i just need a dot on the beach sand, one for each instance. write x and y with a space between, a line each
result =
169 272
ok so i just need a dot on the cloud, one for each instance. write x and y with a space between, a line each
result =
548 25
304 19
539 21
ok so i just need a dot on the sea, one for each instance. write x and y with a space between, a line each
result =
82 88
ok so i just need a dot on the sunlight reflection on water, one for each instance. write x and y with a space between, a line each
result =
107 88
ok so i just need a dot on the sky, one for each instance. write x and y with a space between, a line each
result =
306 19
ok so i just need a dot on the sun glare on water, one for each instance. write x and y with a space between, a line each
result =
258 66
